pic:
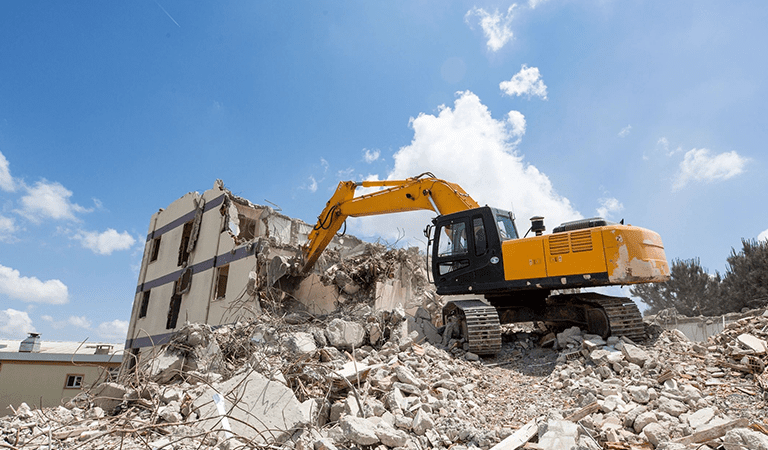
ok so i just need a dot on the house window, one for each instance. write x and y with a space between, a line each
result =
186 234
155 249
74 382
144 304
221 282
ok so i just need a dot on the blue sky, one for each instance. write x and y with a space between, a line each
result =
649 111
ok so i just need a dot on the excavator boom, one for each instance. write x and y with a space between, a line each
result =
421 192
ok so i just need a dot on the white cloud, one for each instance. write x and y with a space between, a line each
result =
526 82
46 200
467 146
516 120
609 207
114 331
6 180
7 228
312 187
534 3
625 131
763 236
497 27
15 324
106 242
56 325
663 145
370 155
325 164
31 289
79 322
702 165
345 174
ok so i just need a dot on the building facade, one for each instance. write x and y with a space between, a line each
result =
203 257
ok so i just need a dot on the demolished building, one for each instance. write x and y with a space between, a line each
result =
212 258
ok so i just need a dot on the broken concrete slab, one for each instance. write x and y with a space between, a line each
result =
559 435
757 345
656 433
259 409
746 438
164 366
358 430
299 342
345 335
422 422
635 354
701 417
108 396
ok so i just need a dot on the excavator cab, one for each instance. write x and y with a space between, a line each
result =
466 250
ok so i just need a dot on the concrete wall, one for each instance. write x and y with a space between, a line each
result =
699 329
33 382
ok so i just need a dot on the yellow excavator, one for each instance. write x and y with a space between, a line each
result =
476 252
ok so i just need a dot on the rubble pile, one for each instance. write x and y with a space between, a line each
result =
362 381
369 377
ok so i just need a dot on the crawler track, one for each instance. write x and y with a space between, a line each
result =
624 318
479 325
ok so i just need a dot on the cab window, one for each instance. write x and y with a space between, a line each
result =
481 241
453 239
506 227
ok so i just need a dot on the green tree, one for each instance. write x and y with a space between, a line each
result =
746 277
690 289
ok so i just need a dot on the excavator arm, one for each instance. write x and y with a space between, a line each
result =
421 192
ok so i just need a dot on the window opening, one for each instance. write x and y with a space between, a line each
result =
481 243
247 227
221 282
183 250
155 249
74 382
144 304
194 231
173 309
133 357
185 281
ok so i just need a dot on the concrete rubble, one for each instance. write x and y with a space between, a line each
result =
377 376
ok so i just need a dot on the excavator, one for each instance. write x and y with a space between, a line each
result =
477 254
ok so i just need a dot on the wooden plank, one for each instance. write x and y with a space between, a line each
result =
519 437
583 412
712 433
